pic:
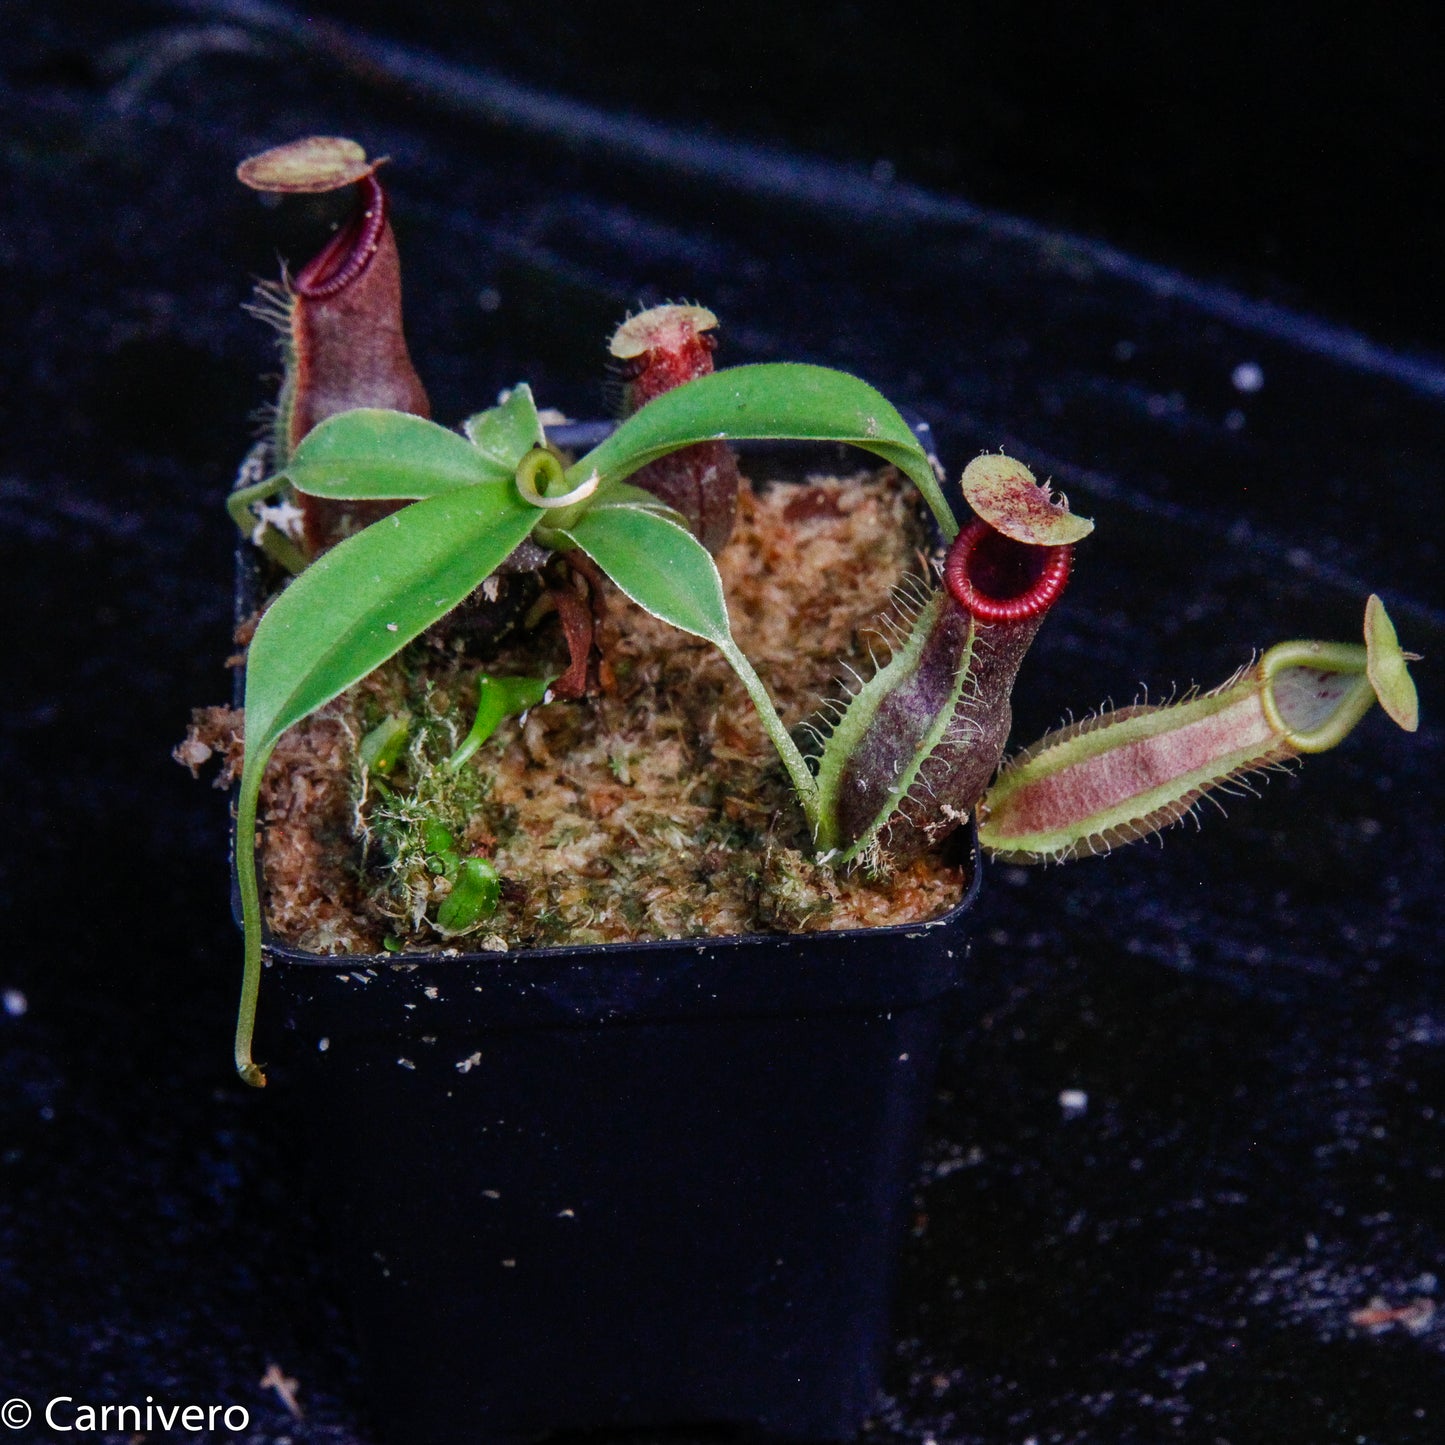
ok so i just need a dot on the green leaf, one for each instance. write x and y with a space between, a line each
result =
353 608
476 891
498 698
361 602
771 401
371 453
505 433
659 564
384 744
623 494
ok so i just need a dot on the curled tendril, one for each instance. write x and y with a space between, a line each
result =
541 465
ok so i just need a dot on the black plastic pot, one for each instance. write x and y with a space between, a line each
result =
644 1185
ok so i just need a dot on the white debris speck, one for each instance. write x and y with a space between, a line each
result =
323 1044
491 1194
191 753
902 1058
550 416
466 1065
285 1387
285 517
431 991
1247 376
406 1063
509 1264
391 627
1074 1103
15 1003
956 1161
492 587
253 469
566 1214
1379 1315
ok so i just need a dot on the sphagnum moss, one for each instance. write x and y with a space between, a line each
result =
657 810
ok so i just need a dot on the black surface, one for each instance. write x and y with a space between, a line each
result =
1254 1013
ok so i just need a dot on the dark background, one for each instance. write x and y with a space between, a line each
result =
1057 229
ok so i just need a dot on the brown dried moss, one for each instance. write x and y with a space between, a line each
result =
656 810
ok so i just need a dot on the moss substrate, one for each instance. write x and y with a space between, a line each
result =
657 809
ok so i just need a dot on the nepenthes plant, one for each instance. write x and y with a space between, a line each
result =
389 522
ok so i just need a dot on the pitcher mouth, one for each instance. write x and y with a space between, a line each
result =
346 256
997 579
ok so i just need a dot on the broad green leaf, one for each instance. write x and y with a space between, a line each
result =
373 453
659 564
361 602
773 401
353 608
505 433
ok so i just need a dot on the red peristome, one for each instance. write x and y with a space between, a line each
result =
1000 580
350 251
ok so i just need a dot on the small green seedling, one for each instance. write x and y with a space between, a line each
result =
402 520
499 698
383 746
